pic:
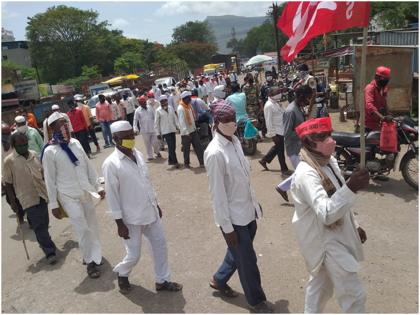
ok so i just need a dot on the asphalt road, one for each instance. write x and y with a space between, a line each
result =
387 210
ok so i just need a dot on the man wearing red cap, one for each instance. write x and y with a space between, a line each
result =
375 99
329 237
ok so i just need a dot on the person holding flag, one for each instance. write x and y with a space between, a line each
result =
329 237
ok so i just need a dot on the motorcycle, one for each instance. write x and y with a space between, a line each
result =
249 145
348 150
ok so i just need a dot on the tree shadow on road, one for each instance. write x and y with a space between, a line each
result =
161 302
104 283
398 188
61 258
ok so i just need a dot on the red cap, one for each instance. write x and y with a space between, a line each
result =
150 94
142 99
383 71
316 125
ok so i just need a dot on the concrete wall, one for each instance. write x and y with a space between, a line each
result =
17 55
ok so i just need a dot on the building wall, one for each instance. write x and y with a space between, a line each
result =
19 56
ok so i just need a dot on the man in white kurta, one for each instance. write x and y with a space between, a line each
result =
144 117
328 235
132 203
71 180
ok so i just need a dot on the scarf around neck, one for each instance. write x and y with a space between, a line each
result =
187 108
58 139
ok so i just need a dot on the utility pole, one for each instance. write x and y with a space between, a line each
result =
276 32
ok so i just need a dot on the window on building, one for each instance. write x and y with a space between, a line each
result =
4 57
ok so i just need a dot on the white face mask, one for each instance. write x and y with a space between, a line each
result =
80 105
228 129
22 129
276 97
269 78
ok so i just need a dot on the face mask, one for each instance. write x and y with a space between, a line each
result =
269 78
80 105
277 97
22 129
22 149
228 129
326 147
165 107
128 143
383 82
65 132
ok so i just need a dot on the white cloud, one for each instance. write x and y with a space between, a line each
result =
213 8
6 13
120 23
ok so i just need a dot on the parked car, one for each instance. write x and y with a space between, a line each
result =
169 81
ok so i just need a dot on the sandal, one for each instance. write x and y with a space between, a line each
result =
225 290
168 286
93 271
124 285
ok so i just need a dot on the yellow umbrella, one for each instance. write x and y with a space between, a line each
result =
131 77
116 80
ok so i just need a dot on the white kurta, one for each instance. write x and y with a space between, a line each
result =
131 197
74 187
328 238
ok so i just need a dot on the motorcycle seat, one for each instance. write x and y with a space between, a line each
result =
347 139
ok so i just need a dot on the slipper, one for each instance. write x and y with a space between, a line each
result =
225 290
93 271
168 286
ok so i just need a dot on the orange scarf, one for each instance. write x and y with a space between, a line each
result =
187 108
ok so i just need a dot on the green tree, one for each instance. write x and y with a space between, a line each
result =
90 72
194 54
193 31
63 39
129 62
395 14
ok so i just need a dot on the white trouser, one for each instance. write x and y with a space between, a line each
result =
151 143
285 185
156 237
82 216
331 277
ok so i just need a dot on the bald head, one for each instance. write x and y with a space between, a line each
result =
5 128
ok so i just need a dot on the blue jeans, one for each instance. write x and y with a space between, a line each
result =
106 132
243 258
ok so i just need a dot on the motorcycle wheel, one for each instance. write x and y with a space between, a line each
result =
249 146
410 171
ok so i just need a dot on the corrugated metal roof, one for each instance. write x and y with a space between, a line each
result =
398 38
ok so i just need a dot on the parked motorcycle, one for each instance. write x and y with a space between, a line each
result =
249 146
348 151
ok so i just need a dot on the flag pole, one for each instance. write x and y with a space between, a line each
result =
361 99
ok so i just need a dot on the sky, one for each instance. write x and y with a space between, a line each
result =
154 21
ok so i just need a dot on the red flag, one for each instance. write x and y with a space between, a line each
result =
302 21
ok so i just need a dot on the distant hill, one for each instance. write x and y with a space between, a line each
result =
222 28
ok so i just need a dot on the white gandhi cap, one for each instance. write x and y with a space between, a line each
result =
121 125
53 117
185 94
20 119
55 107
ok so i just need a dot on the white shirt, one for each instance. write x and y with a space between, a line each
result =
202 90
228 172
153 103
129 106
210 87
184 127
315 211
129 191
62 177
273 114
166 121
173 101
157 93
145 117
